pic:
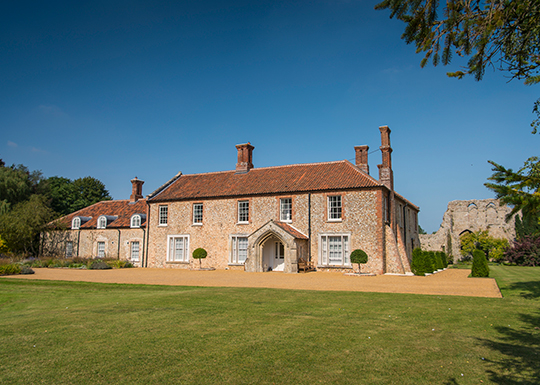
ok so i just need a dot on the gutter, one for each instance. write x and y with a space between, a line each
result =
118 255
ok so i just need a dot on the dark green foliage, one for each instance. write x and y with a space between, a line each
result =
67 196
450 258
20 227
417 263
520 189
430 262
441 260
421 230
527 226
359 256
99 265
199 254
480 266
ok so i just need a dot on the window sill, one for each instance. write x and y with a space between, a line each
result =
286 221
242 223
177 263
162 225
334 267
196 224
335 220
236 264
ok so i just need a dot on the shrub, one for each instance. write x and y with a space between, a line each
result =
199 254
525 251
359 256
429 262
480 266
27 270
99 265
417 264
10 269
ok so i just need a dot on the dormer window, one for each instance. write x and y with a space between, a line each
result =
102 222
136 221
76 223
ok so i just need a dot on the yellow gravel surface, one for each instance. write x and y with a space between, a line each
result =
448 282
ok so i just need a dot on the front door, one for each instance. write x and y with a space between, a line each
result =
279 256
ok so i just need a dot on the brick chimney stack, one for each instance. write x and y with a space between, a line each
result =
362 158
245 158
136 189
386 175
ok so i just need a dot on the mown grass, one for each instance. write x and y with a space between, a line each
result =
88 333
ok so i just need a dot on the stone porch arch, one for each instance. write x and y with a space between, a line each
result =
294 242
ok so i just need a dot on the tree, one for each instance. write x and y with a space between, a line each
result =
480 267
21 227
527 226
67 196
493 248
501 34
421 230
520 189
199 254
359 256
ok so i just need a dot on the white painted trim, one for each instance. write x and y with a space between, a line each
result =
186 248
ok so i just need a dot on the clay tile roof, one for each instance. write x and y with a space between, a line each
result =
291 230
122 209
338 175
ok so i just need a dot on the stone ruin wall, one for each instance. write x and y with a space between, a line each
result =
469 215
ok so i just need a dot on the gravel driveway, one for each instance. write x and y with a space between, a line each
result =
448 282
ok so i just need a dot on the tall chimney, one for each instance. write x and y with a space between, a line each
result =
386 175
136 189
245 158
362 158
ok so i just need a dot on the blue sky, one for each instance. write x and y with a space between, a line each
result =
117 89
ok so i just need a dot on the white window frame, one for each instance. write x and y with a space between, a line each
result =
285 209
69 249
243 212
163 215
102 222
172 248
238 252
335 210
341 240
76 223
136 221
198 210
101 251
135 251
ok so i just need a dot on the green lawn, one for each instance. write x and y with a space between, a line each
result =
86 333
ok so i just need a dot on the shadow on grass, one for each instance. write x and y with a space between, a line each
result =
528 290
522 350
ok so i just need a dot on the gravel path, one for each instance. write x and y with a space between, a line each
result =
448 282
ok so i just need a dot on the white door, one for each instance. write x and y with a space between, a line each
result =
279 256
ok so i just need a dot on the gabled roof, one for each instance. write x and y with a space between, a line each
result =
291 230
340 175
123 209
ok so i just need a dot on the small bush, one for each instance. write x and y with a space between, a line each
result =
480 266
10 269
429 262
99 265
199 254
525 251
359 256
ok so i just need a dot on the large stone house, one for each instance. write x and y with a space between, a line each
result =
258 219
273 218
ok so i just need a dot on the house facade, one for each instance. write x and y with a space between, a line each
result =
275 218
113 229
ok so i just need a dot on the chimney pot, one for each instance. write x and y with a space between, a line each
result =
386 175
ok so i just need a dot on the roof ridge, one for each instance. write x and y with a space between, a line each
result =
269 167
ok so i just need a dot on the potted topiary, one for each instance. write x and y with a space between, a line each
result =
359 256
199 254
